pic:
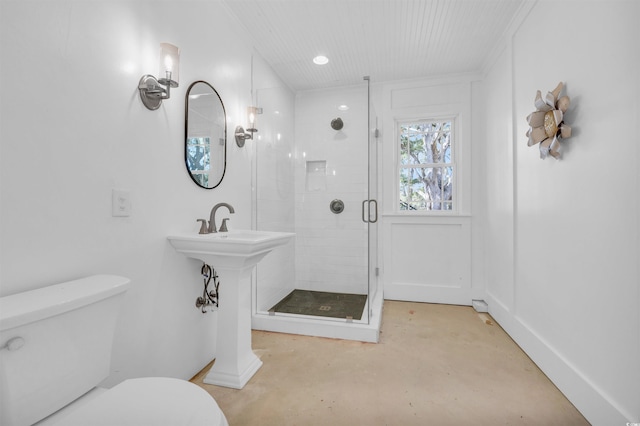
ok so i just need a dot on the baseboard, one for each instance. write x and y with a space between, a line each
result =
445 294
594 404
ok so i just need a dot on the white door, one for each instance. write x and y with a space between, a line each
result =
426 203
427 260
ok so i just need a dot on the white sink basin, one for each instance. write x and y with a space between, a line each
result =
233 255
236 248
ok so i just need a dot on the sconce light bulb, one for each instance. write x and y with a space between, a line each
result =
170 62
252 118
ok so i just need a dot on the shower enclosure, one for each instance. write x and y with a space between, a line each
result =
315 175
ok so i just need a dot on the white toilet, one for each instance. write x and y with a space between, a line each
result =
55 348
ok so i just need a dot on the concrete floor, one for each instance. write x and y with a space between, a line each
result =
435 365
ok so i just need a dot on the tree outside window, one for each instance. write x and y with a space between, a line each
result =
426 165
199 159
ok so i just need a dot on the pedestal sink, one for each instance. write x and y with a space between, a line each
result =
233 255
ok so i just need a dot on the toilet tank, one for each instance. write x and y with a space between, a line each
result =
55 345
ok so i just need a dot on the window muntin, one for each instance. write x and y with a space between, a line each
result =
426 165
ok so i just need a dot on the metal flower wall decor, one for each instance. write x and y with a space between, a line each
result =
546 124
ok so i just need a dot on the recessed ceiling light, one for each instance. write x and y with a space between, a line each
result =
320 60
343 107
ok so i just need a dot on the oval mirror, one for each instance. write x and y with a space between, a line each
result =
205 127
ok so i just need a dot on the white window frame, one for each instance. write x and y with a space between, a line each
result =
399 122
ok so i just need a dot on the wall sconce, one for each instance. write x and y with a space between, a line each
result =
151 91
241 134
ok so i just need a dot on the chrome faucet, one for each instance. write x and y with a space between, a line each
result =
212 217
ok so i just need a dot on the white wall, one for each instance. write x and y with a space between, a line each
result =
73 128
563 236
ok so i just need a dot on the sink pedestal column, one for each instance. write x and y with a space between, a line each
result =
235 361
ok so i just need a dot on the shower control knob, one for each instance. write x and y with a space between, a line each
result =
336 206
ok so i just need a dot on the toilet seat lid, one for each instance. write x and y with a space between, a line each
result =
149 401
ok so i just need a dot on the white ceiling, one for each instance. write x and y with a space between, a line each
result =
384 39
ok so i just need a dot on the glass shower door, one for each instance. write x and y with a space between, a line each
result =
317 184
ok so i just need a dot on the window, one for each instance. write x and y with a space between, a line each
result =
426 165
199 159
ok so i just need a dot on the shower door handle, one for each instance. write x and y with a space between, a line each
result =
375 203
367 203
363 204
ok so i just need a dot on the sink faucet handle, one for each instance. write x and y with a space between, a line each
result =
203 226
223 227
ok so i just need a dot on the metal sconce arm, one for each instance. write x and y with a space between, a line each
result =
151 91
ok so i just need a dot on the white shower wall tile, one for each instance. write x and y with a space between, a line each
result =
331 249
329 252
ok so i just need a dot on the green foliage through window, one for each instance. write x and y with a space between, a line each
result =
426 165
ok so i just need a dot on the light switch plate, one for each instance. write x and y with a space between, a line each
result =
120 203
